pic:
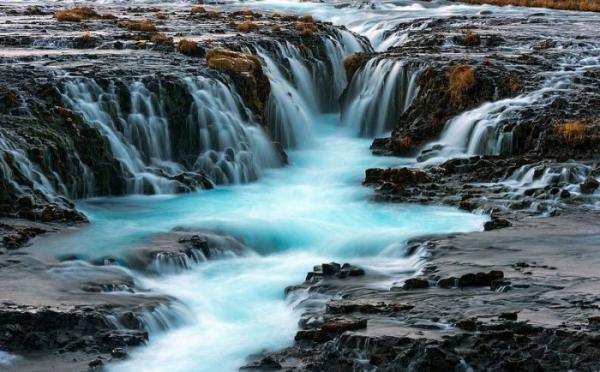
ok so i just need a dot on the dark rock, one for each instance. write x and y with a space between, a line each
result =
479 279
496 223
119 353
347 307
415 283
589 185
508 316
469 325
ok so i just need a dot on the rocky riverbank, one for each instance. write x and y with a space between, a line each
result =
518 296
501 115
115 100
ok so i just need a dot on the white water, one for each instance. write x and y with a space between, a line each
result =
378 94
480 131
231 147
313 211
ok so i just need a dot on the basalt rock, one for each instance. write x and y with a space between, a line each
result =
247 73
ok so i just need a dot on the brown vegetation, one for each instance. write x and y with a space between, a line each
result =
470 38
246 14
515 85
306 29
461 79
162 39
79 14
276 28
228 60
289 17
142 25
353 63
584 5
247 26
86 40
189 47
198 10
162 16
247 73
573 132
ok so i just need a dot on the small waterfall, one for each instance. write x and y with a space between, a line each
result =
304 84
233 148
165 317
378 94
23 175
486 130
131 141
541 175
158 152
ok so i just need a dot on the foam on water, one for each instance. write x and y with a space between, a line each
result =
313 211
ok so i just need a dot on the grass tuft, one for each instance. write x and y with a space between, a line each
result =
353 63
471 38
142 25
79 14
247 26
189 47
461 79
583 5
573 132
198 10
162 39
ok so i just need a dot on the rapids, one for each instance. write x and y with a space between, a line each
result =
312 211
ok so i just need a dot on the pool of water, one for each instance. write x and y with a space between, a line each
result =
314 210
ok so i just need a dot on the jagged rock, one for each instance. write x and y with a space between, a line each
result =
346 307
415 283
589 186
330 329
496 223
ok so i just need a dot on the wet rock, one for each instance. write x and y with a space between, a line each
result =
333 269
589 186
265 364
509 316
347 307
469 325
481 279
415 283
119 353
330 329
496 223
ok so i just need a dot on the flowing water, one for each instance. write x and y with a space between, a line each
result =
315 210
312 211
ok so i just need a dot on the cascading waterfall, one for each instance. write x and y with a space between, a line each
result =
303 86
21 173
540 175
378 94
233 147
483 130
230 146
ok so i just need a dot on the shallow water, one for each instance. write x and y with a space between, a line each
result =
313 211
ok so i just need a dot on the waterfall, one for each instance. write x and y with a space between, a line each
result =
23 175
378 94
304 84
233 148
154 148
540 175
486 130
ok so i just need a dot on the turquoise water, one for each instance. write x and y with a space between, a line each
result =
314 210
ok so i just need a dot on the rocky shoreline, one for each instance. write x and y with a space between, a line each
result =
519 296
